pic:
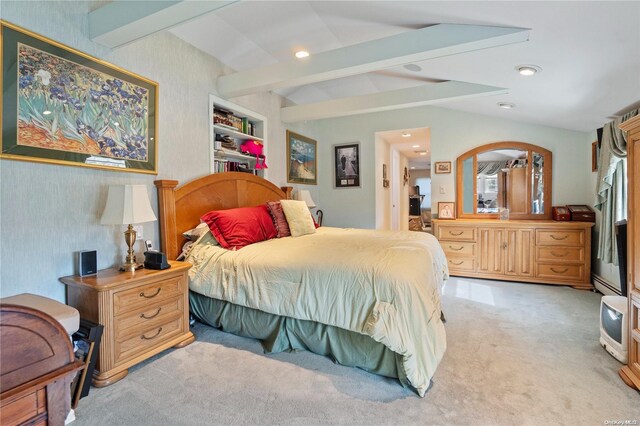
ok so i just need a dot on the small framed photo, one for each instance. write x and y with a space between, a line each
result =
443 167
447 210
385 177
347 165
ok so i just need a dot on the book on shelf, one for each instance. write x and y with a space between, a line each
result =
220 166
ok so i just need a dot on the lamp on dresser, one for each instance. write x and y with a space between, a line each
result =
128 205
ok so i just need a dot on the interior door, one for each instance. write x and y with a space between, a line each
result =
395 190
493 245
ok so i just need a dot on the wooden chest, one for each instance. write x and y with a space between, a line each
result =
582 213
561 213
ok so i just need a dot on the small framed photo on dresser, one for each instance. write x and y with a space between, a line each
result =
447 210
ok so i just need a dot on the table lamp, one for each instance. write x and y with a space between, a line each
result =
304 195
126 205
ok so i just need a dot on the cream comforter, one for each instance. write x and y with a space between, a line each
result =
386 285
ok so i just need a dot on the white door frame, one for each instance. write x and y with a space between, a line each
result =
395 189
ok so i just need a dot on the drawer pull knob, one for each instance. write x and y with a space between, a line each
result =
559 238
559 255
456 248
143 337
457 263
560 272
455 234
152 296
142 315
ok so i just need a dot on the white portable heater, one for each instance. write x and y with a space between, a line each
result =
614 326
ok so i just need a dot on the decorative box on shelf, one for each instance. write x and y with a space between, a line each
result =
561 213
581 213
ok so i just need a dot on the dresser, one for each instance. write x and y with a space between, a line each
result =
631 372
537 251
143 313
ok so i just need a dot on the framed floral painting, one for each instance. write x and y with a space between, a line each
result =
63 106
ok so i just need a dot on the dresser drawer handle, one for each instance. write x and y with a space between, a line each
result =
142 315
152 296
456 249
560 272
559 255
559 238
143 337
455 234
457 263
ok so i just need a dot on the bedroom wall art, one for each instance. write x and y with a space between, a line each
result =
347 165
63 106
302 163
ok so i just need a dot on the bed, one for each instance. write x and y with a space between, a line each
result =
368 299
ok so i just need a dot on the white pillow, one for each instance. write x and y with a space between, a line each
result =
298 217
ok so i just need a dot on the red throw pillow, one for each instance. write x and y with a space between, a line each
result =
237 228
279 219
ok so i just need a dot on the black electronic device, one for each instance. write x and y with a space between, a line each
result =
87 262
87 340
155 260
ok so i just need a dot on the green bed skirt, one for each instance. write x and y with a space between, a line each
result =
280 334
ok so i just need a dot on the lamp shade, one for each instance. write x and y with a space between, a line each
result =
127 204
304 195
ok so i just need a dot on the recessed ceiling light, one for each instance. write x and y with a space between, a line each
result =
413 167
302 54
423 153
528 70
47 112
415 146
412 67
506 105
405 134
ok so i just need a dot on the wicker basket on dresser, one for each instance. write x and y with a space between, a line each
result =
537 251
143 313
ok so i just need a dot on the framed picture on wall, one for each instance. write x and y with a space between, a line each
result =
62 106
442 167
347 165
302 163
446 210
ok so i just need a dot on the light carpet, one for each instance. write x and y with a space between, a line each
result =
517 354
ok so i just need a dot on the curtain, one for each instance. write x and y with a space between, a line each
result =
611 187
490 167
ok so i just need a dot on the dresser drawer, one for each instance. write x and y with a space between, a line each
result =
456 233
146 339
457 249
560 271
146 296
569 237
559 254
460 265
147 316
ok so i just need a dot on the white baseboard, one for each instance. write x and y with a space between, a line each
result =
605 286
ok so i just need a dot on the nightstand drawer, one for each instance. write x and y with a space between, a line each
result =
569 237
147 316
560 254
145 339
145 296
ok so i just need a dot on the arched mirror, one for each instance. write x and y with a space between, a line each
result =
504 175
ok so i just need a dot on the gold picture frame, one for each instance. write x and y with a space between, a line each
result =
302 159
442 167
447 210
63 106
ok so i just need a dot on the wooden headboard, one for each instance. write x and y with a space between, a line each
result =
181 207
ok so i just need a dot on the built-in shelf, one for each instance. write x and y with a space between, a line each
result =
256 122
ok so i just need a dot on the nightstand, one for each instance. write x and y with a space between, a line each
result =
143 313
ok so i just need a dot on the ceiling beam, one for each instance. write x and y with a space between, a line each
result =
410 46
121 21
395 99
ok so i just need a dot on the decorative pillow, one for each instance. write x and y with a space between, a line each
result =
298 217
237 228
195 233
279 219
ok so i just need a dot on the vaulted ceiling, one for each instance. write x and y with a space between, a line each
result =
588 52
